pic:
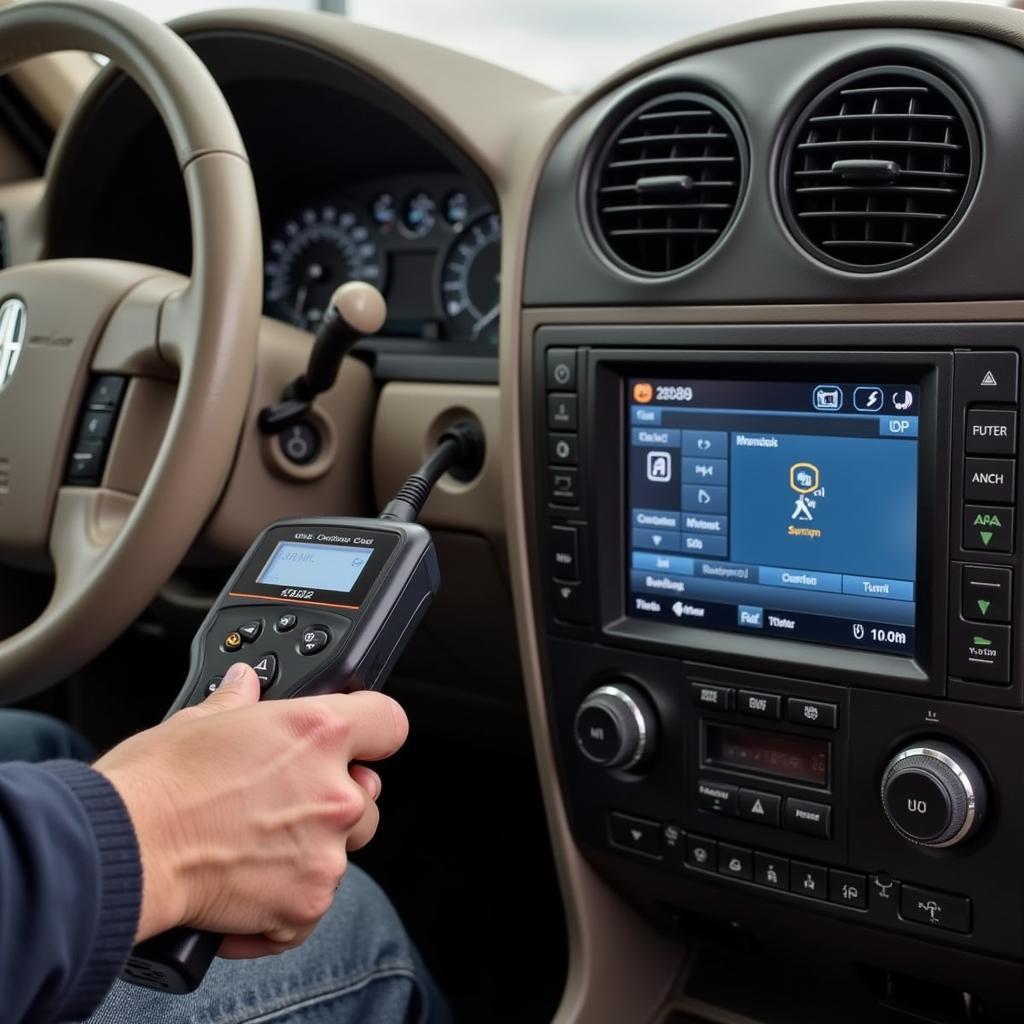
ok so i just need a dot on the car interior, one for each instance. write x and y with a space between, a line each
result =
714 718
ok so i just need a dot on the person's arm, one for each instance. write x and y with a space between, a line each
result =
70 889
243 816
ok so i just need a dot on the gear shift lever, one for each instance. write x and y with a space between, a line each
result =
356 310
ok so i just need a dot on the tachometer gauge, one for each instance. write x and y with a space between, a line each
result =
316 252
471 278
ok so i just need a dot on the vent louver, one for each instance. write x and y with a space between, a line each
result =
667 183
879 168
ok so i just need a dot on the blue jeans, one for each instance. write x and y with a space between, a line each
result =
358 967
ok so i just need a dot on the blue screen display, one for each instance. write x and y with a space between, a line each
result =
315 566
776 508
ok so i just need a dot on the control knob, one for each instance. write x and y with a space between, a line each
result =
933 794
615 726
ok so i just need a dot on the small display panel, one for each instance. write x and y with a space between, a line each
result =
784 509
331 567
773 754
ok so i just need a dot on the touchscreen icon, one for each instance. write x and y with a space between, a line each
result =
868 399
642 392
828 398
805 479
659 467
903 400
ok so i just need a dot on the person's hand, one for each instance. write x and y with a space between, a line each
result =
245 811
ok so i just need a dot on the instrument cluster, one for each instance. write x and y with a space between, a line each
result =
430 242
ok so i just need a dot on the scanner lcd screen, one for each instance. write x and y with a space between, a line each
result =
315 566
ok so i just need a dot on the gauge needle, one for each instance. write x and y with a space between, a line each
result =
485 321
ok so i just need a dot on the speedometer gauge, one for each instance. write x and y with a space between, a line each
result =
471 279
316 252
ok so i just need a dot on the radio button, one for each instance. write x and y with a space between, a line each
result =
847 889
717 797
563 449
991 432
812 819
718 698
986 593
561 369
771 871
979 652
756 806
809 880
813 712
989 480
988 528
636 834
701 853
985 377
938 909
562 412
563 485
673 842
759 705
570 603
565 553
735 861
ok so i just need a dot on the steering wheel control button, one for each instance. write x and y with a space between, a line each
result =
933 794
636 834
938 909
847 889
265 667
991 432
565 553
759 705
300 443
813 712
979 652
286 622
106 393
562 412
753 805
96 426
988 528
701 853
989 480
985 377
233 641
718 698
561 375
809 880
717 797
314 641
813 819
735 861
771 871
986 593
86 463
251 630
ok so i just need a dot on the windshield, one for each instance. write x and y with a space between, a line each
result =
569 44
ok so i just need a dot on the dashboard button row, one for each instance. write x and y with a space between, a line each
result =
816 713
793 814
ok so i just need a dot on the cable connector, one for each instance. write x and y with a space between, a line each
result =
460 451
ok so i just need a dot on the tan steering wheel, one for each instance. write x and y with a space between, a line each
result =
111 551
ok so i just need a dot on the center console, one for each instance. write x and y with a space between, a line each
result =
779 568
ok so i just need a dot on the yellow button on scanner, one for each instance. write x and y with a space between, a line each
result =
232 641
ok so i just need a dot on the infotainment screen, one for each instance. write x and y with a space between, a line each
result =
776 509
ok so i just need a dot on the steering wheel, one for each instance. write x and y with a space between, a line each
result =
110 551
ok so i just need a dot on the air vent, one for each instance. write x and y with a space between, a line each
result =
667 183
879 168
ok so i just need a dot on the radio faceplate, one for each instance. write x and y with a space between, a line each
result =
771 751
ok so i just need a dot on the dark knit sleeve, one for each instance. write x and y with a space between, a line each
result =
70 890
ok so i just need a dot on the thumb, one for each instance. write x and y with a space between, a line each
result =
239 688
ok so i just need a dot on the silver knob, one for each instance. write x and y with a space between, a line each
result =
615 726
